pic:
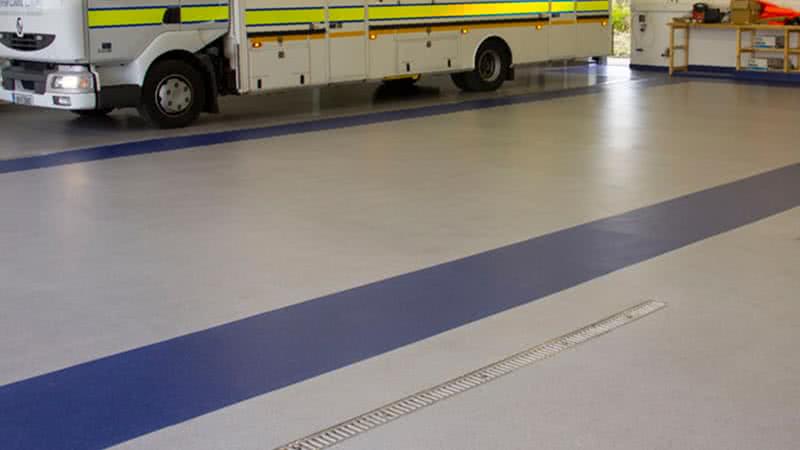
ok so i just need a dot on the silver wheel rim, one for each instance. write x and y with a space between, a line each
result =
489 65
174 95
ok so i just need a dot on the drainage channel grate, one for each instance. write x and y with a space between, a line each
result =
387 413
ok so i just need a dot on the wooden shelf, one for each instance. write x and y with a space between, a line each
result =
730 26
757 49
785 53
683 47
769 27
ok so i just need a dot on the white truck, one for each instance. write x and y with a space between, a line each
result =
172 59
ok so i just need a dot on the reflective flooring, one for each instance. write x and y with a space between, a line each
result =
250 289
39 131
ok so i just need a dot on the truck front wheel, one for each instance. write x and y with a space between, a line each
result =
173 94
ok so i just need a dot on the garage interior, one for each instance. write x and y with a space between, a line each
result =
305 258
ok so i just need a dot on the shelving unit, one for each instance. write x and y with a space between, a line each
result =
791 48
684 48
787 51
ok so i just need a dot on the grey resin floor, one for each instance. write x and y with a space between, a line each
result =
105 256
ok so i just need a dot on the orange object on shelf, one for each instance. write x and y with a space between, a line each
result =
773 11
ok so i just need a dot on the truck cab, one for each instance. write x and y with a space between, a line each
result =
91 56
45 43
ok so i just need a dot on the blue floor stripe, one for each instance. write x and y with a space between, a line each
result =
120 397
187 142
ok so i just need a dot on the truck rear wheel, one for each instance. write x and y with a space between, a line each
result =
173 94
492 63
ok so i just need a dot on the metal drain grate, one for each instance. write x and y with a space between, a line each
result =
365 422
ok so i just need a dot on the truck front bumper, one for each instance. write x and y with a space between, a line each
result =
50 100
48 85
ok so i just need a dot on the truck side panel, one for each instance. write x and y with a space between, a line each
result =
392 38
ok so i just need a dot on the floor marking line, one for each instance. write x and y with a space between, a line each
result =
408 405
116 398
187 142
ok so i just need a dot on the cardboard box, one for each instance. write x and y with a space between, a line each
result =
745 12
745 4
744 16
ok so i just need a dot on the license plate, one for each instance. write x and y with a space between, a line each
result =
23 99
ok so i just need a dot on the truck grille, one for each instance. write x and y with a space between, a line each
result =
28 42
32 76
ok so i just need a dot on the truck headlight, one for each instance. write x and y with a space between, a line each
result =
72 82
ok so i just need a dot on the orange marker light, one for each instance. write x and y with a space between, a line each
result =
464 31
373 36
256 44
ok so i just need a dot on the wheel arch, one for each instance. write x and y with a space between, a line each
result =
499 41
190 45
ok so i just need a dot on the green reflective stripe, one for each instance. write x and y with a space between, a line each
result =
562 7
211 13
204 13
347 14
130 17
284 16
592 6
125 17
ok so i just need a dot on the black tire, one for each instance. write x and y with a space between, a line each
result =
492 62
173 94
92 112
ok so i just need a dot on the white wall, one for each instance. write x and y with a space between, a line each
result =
707 47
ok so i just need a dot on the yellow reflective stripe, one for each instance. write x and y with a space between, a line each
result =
562 7
446 11
593 6
284 16
125 17
350 14
191 13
